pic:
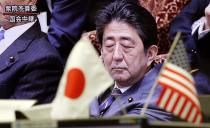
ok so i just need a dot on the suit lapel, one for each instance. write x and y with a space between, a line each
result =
94 107
11 55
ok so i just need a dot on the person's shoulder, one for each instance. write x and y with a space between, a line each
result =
155 69
40 49
149 78
152 74
42 45
34 42
158 66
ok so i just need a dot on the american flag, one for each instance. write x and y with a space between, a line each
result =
179 95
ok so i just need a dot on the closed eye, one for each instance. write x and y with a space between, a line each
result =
109 42
127 46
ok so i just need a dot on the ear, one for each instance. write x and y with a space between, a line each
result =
151 54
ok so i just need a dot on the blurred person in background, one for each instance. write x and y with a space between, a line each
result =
30 68
196 40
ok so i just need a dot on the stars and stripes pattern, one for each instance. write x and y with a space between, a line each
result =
179 95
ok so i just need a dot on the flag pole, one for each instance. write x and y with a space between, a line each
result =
152 90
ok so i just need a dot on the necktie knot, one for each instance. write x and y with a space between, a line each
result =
116 92
1 34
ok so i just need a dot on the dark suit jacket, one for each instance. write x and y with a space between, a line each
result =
138 93
198 50
67 24
183 22
202 76
30 68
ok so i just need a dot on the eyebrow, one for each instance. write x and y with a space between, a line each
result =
125 38
121 38
108 38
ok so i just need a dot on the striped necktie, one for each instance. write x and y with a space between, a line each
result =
1 34
107 103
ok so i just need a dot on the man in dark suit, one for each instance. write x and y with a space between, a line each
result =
202 39
128 33
183 23
197 48
30 68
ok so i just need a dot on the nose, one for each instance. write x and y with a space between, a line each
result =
118 54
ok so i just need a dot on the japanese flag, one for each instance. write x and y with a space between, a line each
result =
83 79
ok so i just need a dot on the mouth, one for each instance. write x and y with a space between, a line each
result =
118 69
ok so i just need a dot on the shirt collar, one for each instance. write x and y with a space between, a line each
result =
1 28
17 30
123 89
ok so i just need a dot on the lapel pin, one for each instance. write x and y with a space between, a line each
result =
130 99
12 59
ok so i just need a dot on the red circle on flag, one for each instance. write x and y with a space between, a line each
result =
75 83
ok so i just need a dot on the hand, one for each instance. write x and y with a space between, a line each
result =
159 59
91 35
207 15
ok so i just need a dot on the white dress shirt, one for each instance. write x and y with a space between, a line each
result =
11 34
200 24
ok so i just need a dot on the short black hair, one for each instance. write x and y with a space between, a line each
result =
132 13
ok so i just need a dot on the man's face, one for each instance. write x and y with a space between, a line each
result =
123 53
4 19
